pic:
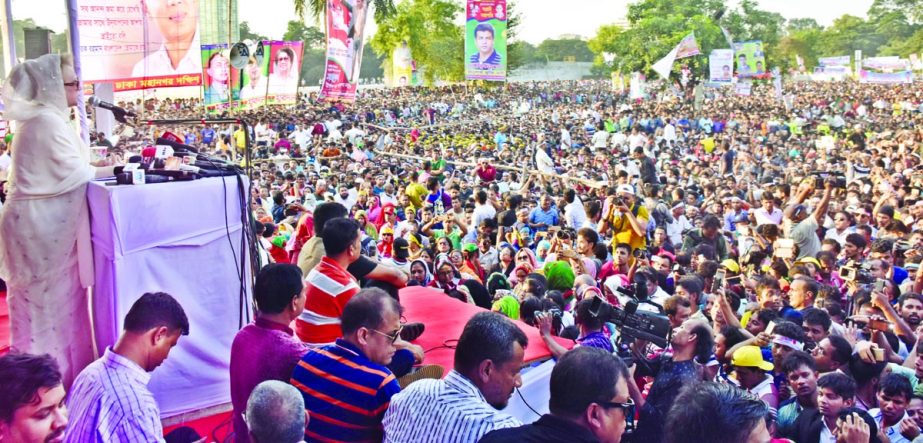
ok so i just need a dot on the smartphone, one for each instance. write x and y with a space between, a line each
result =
717 283
880 285
770 327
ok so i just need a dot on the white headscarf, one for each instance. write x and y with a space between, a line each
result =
35 86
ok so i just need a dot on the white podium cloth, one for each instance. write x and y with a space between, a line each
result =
172 237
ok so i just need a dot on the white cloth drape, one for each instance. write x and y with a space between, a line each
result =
46 256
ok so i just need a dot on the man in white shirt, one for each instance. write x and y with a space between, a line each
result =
636 139
346 197
565 138
679 225
574 213
111 396
600 138
768 213
5 162
483 210
178 23
669 132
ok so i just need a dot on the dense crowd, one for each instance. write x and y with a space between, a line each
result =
779 235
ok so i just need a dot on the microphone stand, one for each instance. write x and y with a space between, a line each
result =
248 240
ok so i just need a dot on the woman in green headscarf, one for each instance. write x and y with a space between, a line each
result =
508 306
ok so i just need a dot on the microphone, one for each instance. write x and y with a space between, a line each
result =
117 111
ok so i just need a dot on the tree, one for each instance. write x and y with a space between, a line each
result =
428 27
311 36
556 50
247 34
317 8
522 53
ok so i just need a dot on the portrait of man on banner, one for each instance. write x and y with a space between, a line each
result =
217 78
484 36
177 24
254 82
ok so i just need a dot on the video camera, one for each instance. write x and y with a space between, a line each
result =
634 324
854 272
839 180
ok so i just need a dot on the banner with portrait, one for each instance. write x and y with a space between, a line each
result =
485 40
126 42
721 66
284 71
345 39
889 78
886 64
751 60
402 66
220 82
743 88
842 60
255 79
618 82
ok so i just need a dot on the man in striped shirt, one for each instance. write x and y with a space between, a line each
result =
110 400
347 386
329 285
464 406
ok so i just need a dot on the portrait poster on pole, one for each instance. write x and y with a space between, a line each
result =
345 22
284 69
721 66
485 40
140 45
751 60
255 81
402 66
221 83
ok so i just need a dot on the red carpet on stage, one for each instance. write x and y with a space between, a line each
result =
215 428
445 318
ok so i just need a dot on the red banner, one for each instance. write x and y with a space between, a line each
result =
164 81
345 32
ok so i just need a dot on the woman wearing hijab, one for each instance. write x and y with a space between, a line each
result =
46 256
447 276
419 271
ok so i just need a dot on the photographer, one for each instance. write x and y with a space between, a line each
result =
804 226
590 324
626 218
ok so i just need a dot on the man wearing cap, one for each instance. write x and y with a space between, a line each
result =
627 219
754 375
679 225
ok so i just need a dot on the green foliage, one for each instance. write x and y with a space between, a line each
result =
522 53
246 33
559 50
894 27
428 26
311 36
382 8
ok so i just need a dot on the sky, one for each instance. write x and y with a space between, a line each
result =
541 18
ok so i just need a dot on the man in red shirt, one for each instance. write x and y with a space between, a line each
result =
329 285
485 171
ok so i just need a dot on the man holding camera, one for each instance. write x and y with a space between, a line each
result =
691 341
804 225
627 219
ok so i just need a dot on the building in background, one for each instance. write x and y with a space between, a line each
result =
213 21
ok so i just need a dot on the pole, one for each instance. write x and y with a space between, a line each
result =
74 34
7 37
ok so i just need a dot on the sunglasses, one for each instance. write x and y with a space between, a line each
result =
393 336
628 409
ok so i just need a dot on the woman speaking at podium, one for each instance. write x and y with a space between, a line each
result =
45 251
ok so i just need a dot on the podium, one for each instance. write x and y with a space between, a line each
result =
182 238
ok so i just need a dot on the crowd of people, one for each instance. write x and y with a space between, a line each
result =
779 237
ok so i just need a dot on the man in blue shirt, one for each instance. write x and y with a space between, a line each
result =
543 216
484 40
